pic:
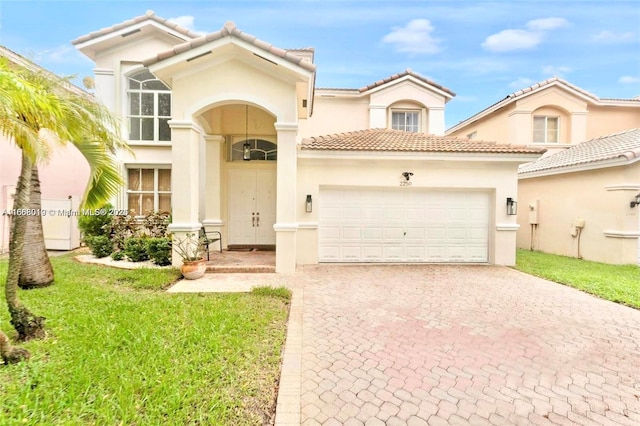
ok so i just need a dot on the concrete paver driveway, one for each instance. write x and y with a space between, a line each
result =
463 345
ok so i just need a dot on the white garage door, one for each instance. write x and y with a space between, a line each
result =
403 225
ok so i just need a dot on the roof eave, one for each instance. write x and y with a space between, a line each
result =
621 160
517 158
448 95
88 47
156 65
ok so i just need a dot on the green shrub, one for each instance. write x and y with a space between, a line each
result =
136 249
96 224
100 245
122 228
159 250
117 255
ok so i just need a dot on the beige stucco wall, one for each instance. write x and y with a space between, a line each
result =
494 127
498 179
335 115
608 120
583 195
580 119
64 175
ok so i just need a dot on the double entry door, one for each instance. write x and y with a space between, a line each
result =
252 207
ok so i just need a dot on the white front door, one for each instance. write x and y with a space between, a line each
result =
252 207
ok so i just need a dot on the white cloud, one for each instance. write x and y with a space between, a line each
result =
186 21
519 39
612 37
414 38
557 71
547 24
521 83
64 54
507 40
627 79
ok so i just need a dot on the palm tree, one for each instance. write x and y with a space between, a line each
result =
104 181
55 115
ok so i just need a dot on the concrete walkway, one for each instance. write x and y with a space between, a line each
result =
439 344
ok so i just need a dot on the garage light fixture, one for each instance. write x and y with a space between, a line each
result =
308 206
636 202
512 206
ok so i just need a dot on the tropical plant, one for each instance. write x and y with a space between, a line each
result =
136 249
190 248
92 225
39 111
100 245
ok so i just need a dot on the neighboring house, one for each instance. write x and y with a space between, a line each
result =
225 129
61 190
553 114
574 181
583 201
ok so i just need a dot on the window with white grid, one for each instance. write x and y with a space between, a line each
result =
149 108
148 190
546 129
409 121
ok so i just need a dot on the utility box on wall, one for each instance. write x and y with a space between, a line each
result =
534 206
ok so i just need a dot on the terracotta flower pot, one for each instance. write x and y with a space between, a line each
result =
193 269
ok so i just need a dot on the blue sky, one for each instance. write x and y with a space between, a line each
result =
480 50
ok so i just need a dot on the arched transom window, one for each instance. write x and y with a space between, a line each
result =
260 149
149 108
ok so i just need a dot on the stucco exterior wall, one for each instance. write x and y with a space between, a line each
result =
494 127
499 180
580 119
608 120
65 175
600 197
335 115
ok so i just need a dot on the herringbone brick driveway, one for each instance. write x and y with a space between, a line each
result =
441 344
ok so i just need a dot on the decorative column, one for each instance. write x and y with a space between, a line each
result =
106 87
520 128
578 127
214 147
286 225
436 121
377 116
185 174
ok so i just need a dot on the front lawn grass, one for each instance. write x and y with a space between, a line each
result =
617 283
120 351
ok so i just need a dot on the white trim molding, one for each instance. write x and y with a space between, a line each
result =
308 225
286 127
184 124
103 71
623 187
285 227
610 233
213 222
507 226
184 227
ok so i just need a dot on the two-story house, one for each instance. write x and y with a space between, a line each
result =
580 198
227 132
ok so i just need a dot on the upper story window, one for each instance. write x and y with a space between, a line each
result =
149 108
409 121
546 129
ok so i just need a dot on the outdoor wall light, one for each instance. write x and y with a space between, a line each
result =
308 206
407 175
246 151
636 201
512 206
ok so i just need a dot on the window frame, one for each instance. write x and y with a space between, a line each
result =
156 107
156 192
546 129
406 111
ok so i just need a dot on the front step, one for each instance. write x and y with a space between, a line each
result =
240 269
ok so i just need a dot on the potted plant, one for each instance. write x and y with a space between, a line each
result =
191 251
